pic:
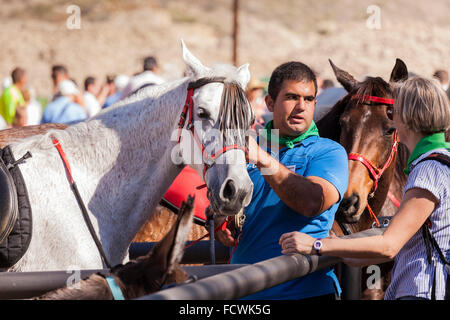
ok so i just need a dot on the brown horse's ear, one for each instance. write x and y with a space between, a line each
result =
344 78
167 254
400 71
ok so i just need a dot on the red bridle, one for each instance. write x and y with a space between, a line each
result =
375 173
208 159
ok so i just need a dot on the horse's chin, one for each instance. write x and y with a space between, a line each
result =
224 210
344 218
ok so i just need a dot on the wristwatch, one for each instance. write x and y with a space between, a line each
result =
317 246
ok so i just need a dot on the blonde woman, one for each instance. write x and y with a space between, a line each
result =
421 114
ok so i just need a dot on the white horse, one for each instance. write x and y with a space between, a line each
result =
123 160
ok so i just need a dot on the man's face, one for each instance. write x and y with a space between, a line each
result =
24 80
293 108
94 88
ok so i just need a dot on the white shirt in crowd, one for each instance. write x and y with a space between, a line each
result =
140 80
91 103
34 112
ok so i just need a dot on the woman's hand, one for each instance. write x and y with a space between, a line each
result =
296 242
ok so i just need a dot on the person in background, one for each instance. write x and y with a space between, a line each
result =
113 90
94 95
442 77
147 78
327 83
33 107
12 97
254 92
121 81
328 97
58 74
418 237
65 109
20 117
6 83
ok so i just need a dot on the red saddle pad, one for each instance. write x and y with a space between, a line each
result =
185 184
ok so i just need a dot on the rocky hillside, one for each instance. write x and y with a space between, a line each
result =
115 35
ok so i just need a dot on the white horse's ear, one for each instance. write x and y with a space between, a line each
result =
243 75
194 68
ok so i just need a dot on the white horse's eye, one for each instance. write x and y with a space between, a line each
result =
203 114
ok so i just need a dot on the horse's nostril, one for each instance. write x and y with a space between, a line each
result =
354 200
229 191
350 205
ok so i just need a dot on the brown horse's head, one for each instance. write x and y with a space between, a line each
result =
367 133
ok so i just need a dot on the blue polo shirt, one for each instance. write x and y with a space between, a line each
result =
267 217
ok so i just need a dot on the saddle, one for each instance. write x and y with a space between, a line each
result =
15 210
9 209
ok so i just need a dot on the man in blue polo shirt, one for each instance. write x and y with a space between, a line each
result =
299 180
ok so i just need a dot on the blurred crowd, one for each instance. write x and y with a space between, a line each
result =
70 103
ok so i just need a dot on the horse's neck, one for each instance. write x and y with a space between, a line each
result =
120 159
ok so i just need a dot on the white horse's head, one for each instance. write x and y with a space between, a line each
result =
215 144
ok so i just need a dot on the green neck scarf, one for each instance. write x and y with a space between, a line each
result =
288 141
427 143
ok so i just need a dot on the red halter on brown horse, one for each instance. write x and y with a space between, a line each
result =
362 123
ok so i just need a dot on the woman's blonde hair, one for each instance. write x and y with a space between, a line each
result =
422 105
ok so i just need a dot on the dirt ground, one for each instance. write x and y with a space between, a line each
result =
115 35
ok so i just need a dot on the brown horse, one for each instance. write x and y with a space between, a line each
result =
360 122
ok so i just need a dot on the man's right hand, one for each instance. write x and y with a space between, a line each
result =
224 236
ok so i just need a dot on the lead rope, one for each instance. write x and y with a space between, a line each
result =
81 203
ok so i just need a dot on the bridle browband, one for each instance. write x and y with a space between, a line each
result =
375 173
188 114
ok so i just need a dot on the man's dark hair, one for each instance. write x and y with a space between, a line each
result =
17 75
110 79
150 63
59 69
290 71
87 82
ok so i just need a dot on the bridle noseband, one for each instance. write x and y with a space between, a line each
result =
188 113
376 173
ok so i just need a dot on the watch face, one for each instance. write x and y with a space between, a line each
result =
317 244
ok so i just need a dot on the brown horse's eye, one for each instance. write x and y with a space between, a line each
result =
390 112
389 131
